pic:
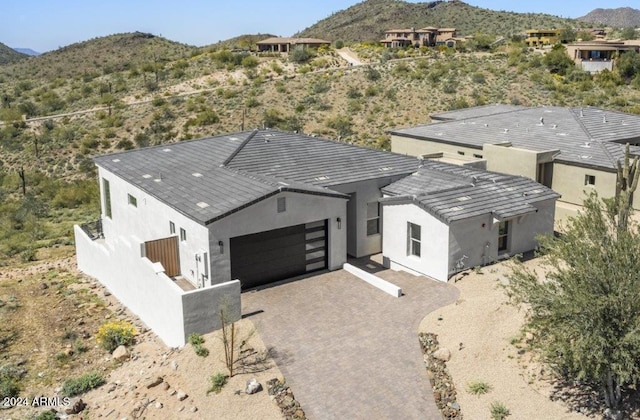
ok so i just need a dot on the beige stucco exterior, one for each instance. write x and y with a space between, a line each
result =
414 147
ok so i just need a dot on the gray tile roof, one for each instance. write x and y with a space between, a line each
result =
476 111
452 192
209 178
588 136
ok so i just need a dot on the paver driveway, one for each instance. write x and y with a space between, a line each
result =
347 349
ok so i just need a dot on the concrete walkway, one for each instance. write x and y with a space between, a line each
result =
349 350
349 56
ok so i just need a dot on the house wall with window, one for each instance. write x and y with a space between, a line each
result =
575 182
398 252
264 216
416 147
147 220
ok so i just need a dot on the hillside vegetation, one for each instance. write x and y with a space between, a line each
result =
9 55
622 17
367 21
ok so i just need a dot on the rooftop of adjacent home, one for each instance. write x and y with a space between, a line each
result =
585 136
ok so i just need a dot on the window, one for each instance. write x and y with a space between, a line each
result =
172 227
414 239
373 218
282 204
589 180
183 235
503 236
477 156
460 152
106 190
132 200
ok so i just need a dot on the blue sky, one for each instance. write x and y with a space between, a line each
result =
45 25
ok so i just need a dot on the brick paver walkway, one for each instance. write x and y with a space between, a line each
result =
347 349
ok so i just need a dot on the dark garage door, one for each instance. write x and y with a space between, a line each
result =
265 257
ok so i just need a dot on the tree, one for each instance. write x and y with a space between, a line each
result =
557 60
629 33
567 35
586 313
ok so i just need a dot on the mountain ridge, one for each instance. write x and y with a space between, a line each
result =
621 17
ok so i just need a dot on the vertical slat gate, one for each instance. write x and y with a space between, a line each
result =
165 251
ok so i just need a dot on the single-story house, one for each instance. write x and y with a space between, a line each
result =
571 150
285 45
423 37
185 226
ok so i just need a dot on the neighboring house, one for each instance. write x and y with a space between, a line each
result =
285 45
186 225
540 37
571 150
599 55
424 37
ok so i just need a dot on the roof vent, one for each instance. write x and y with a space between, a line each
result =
321 178
604 118
585 157
197 174
554 126
385 168
486 125
166 150
146 176
506 130
456 208
581 113
541 120
202 205
586 144
464 198
115 160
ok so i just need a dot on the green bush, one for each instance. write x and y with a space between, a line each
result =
47 415
195 339
217 382
8 387
84 383
201 350
478 387
499 411
111 335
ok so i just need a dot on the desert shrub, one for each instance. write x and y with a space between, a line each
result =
47 415
84 383
113 334
372 74
201 350
250 62
158 101
8 387
195 339
499 411
338 44
299 54
217 382
478 387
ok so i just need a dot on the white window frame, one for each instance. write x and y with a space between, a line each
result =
172 227
183 235
375 218
590 180
132 200
282 204
414 242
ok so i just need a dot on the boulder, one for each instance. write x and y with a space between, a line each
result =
442 354
76 408
182 395
155 382
120 354
253 386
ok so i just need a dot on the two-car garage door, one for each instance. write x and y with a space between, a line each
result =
265 257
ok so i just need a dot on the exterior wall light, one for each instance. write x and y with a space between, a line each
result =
339 220
221 245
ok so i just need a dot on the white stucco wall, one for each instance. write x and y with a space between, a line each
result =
434 258
364 192
149 221
263 216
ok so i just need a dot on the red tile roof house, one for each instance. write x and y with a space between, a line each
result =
186 226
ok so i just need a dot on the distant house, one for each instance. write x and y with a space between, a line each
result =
185 226
424 37
540 37
571 150
285 45
596 56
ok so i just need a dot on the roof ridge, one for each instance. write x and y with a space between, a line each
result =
600 143
239 148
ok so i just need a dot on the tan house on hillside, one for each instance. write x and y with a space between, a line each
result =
540 37
571 150
596 56
424 37
284 45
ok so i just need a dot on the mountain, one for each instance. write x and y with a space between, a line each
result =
104 55
27 51
367 21
622 17
9 55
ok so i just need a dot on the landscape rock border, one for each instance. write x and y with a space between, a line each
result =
444 390
283 396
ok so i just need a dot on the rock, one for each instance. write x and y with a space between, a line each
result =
181 408
158 404
528 336
155 382
120 354
182 395
253 386
107 293
76 407
174 365
442 354
166 386
44 286
193 409
455 406
112 387
612 414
